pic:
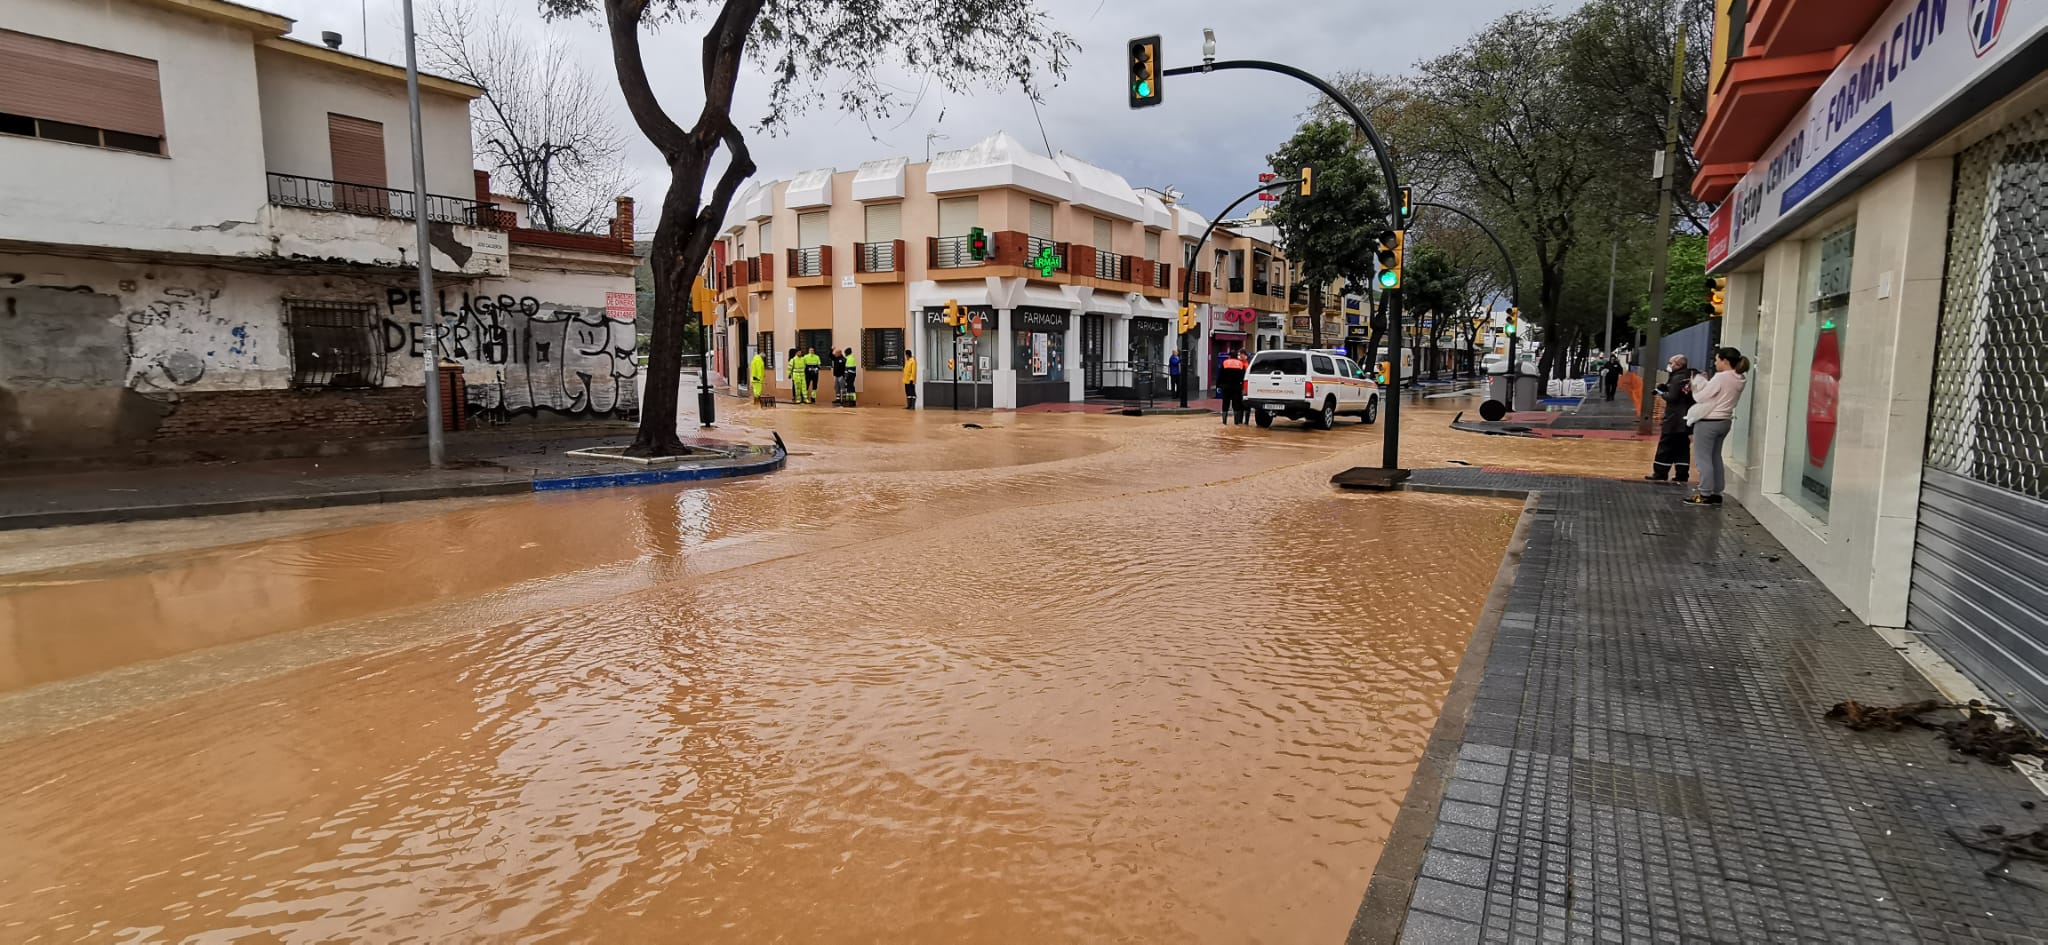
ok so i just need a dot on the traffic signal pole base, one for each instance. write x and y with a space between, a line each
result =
1370 478
707 407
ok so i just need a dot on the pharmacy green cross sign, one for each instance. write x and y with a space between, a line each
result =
1047 262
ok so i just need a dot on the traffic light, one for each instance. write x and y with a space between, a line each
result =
1407 205
1514 316
977 244
702 300
1187 319
1717 294
1308 177
953 319
1389 255
1145 72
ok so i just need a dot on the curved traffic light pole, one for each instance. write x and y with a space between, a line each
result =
1187 353
1390 448
1514 290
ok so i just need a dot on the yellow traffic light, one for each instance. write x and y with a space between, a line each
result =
702 300
1717 294
1145 72
1308 177
1389 254
1187 319
952 314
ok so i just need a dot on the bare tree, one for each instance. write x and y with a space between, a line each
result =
800 43
543 122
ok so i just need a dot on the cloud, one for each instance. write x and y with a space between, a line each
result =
1209 138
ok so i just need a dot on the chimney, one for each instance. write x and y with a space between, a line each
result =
331 38
483 186
622 223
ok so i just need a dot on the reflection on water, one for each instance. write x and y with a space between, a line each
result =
1165 687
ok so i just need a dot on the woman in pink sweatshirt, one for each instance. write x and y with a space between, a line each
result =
1715 399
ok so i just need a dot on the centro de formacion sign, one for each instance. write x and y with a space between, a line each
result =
1917 58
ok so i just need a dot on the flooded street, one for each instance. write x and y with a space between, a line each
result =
1066 678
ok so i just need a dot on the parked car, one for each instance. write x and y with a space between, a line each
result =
1309 385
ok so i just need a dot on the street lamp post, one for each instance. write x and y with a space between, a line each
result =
1514 291
1187 343
430 307
707 407
1390 455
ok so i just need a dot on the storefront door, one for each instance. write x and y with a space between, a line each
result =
1092 342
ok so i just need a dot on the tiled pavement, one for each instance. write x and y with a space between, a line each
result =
1645 758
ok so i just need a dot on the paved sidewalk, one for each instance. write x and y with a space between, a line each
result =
475 468
1634 751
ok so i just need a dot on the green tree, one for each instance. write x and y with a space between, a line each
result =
1434 293
1685 288
799 44
1330 233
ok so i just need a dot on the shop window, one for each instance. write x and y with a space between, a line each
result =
1817 359
1042 356
881 348
337 344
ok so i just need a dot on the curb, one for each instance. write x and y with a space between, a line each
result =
655 476
1384 910
147 513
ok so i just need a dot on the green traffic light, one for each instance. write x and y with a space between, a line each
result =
1144 90
1389 279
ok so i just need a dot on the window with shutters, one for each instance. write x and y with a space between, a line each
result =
1102 236
957 215
356 146
81 94
882 348
336 344
1152 247
884 222
1041 219
767 237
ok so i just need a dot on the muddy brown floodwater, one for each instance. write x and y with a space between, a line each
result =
1068 678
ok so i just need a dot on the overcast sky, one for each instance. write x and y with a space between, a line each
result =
1208 139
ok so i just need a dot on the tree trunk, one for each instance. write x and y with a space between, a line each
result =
1315 316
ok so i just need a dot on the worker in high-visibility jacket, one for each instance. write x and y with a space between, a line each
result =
852 365
797 390
909 380
757 374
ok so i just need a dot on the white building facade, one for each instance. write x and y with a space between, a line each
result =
207 235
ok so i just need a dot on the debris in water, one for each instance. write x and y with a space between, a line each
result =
2031 846
1978 735
972 426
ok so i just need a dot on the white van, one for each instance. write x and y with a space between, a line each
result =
1315 386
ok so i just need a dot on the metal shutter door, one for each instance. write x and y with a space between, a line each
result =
885 222
59 81
1041 220
812 230
957 215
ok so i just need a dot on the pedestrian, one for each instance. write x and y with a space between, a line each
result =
1230 388
1173 374
852 374
811 369
838 374
1674 444
1610 375
757 374
1714 413
909 379
1244 413
795 368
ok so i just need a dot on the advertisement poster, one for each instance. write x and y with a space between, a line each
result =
1039 346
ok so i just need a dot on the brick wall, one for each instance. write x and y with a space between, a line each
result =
295 414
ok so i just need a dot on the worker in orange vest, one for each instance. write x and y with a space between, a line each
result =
1230 386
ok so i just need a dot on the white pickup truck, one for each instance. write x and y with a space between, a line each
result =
1315 386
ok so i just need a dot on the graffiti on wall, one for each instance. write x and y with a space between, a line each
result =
521 355
174 334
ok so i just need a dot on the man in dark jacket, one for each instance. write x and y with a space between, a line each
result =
1230 387
1674 445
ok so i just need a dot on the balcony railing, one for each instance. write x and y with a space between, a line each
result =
1237 283
815 261
885 256
1260 287
1112 267
1201 282
312 193
951 252
1162 275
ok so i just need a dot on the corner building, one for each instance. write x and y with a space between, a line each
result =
1881 170
1077 297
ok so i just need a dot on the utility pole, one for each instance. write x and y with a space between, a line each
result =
1667 161
430 307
